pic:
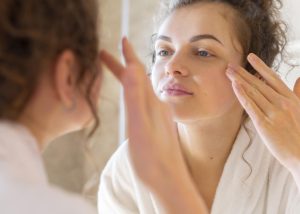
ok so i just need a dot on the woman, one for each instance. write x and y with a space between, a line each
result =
49 85
239 133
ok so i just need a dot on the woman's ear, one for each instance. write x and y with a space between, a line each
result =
65 71
297 87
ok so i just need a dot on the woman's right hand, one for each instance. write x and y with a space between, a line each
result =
153 143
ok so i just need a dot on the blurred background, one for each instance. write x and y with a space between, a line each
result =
75 164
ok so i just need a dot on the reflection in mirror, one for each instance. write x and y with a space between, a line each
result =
233 127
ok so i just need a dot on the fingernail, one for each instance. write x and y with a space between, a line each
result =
125 39
230 71
231 66
237 83
252 57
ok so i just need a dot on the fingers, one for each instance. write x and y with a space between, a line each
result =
261 101
134 93
248 104
128 52
130 75
297 88
269 75
138 93
251 91
138 75
116 67
270 94
113 64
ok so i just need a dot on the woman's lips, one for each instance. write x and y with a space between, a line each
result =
175 90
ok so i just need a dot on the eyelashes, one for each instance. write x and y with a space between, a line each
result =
163 52
199 52
204 53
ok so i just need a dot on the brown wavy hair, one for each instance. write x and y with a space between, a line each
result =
256 23
32 35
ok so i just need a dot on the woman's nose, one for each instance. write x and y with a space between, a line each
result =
176 68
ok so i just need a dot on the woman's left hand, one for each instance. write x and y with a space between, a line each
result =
273 108
153 143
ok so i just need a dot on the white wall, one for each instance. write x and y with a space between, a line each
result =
291 14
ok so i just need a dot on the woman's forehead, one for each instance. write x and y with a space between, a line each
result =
195 18
198 19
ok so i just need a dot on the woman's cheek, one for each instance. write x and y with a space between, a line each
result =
225 93
215 85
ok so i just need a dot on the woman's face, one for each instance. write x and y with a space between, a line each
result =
193 48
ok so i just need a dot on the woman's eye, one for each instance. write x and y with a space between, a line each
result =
163 53
203 53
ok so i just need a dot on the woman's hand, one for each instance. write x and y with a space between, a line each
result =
297 88
153 143
273 108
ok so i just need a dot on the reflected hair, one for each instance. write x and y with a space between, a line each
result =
258 27
256 23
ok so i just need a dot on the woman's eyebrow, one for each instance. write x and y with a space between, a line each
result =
205 36
193 39
162 37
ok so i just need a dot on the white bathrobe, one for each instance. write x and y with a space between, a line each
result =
252 182
24 188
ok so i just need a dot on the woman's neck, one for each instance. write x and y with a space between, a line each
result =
40 125
207 144
36 130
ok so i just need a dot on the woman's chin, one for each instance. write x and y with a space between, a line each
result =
190 116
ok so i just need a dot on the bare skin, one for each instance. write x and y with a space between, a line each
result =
188 66
274 110
179 194
195 63
58 105
153 142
